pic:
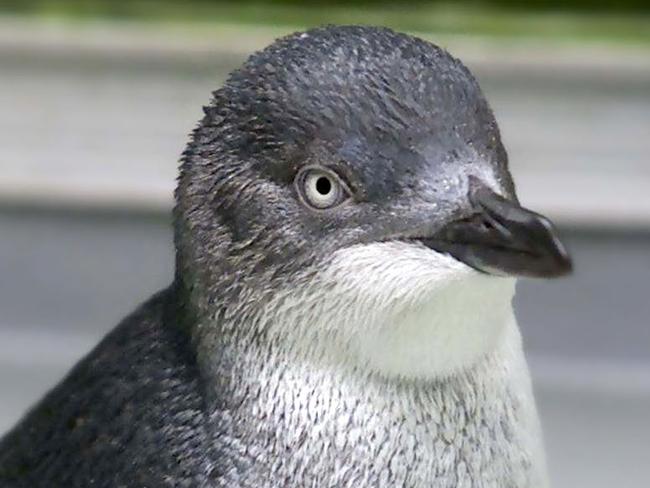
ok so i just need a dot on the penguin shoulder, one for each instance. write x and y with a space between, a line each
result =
118 416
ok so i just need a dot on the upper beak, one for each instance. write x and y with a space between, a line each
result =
501 237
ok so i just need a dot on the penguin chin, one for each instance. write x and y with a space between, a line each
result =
403 310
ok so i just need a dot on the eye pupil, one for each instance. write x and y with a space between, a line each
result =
323 185
320 188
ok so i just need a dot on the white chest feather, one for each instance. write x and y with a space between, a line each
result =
396 367
322 427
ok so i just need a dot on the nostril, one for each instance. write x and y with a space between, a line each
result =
486 225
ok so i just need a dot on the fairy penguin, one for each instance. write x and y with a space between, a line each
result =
348 239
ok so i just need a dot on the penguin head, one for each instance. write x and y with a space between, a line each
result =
359 175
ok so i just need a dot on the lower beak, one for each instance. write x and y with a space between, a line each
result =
501 237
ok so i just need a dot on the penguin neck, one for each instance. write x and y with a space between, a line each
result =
451 334
263 360
291 409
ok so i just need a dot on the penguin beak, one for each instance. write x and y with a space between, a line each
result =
501 237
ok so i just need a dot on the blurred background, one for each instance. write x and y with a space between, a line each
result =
97 98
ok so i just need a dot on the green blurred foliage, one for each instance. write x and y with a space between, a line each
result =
581 5
595 20
118 6
584 5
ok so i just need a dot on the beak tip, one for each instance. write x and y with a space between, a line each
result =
560 262
556 262
564 263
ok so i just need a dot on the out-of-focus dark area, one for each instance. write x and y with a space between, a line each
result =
97 98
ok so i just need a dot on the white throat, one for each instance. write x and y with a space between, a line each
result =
459 323
398 309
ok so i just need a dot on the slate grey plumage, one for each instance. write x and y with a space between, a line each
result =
319 344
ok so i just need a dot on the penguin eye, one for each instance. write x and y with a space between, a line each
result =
321 188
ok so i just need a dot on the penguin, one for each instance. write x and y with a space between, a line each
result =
348 238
